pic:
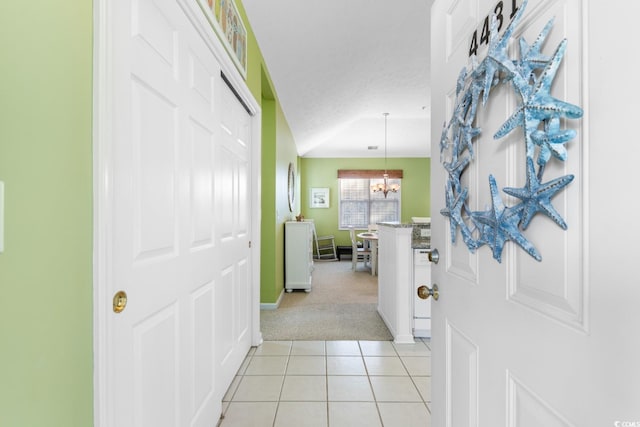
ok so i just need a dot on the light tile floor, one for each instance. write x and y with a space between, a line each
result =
331 384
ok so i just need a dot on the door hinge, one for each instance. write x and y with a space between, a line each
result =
249 243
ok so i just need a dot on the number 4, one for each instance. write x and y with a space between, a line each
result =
485 32
473 48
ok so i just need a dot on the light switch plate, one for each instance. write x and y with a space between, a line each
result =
1 217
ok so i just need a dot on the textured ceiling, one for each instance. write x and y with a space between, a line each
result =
337 66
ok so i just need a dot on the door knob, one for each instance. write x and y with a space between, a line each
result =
119 301
434 256
424 292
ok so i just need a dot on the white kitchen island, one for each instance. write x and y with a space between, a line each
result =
396 242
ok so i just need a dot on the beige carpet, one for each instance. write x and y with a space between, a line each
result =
342 305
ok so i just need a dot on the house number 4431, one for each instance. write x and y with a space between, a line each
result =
504 11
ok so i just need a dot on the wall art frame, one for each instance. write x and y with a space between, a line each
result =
227 23
319 198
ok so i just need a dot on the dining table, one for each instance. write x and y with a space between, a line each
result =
371 238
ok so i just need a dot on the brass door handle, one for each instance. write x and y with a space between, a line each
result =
424 292
119 301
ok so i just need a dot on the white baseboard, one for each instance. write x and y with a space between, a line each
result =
404 339
272 306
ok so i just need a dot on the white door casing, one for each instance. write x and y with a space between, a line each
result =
551 343
175 186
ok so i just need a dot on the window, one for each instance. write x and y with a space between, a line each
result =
359 206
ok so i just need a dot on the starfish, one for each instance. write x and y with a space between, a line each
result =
454 212
461 80
502 225
458 111
539 105
444 141
461 108
474 89
536 197
497 57
464 115
487 236
481 219
530 56
456 169
476 86
552 140
455 148
468 133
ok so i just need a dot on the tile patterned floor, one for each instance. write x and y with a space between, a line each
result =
331 384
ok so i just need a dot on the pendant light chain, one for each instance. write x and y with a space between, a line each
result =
385 188
386 115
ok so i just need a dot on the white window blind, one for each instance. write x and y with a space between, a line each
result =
359 206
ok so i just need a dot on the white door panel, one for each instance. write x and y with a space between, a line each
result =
156 374
522 342
202 373
462 379
202 158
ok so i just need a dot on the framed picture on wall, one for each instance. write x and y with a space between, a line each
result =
319 198
225 19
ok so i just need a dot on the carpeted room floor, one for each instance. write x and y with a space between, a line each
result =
342 305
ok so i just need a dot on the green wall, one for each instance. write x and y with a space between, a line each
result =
285 153
46 347
268 255
323 172
278 150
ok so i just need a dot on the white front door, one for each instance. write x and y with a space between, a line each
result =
174 188
553 342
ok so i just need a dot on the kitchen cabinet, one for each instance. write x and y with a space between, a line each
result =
404 266
395 280
421 307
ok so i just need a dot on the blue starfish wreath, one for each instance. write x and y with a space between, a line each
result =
538 114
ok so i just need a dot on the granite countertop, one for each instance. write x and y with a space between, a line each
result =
417 241
421 244
396 224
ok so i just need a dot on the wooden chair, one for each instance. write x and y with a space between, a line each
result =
372 228
325 246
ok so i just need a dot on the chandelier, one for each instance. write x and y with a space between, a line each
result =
385 187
